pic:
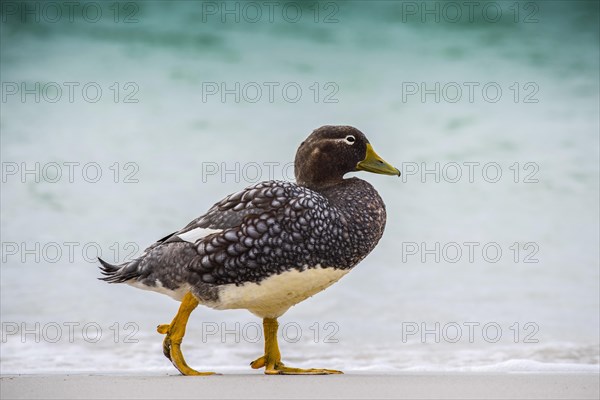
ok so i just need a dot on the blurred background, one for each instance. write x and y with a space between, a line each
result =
123 121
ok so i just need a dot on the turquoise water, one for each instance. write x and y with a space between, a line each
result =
192 108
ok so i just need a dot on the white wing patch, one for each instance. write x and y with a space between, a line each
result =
198 233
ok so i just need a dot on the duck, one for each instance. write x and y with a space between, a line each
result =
269 246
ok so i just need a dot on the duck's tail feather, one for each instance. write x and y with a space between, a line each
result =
119 273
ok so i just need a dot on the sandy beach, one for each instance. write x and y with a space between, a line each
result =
350 386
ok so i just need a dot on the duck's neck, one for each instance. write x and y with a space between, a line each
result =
318 179
321 185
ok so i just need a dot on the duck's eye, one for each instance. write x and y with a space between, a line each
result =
350 139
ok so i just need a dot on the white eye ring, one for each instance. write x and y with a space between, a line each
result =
350 140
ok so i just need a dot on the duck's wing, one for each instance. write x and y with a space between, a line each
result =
247 234
233 209
260 231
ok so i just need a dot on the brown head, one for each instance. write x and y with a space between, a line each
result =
332 151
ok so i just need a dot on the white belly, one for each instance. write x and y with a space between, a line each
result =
273 296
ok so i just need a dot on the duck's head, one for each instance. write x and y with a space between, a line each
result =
332 151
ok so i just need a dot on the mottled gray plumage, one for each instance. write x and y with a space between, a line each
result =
273 226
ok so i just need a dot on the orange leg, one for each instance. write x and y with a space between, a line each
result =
271 361
175 332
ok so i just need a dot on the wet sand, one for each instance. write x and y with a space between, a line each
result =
350 386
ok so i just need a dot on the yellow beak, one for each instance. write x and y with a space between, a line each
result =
374 163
